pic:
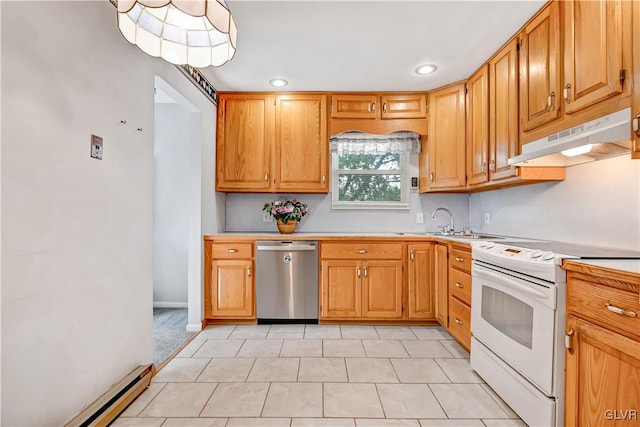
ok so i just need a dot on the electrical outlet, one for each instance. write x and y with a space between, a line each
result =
487 218
96 147
419 218
266 217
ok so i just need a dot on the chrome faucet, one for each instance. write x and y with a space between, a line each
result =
444 228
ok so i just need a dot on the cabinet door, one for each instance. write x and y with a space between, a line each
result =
602 377
446 139
244 142
411 106
422 292
594 39
503 112
231 293
354 106
442 285
478 127
540 69
635 133
382 289
341 289
301 143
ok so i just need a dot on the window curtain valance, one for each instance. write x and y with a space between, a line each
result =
366 143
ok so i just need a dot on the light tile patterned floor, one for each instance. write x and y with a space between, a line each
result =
317 375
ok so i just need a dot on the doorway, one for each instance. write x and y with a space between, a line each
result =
176 216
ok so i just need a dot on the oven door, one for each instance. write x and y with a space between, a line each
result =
514 315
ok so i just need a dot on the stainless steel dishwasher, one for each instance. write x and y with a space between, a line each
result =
287 281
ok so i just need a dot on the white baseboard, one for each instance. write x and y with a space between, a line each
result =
194 327
160 304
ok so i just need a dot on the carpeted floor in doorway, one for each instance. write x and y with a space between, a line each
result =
169 332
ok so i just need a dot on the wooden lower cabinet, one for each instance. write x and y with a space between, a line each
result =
341 289
229 290
232 292
362 289
421 283
382 289
442 284
460 294
602 377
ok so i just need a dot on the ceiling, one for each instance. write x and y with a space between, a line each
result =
364 45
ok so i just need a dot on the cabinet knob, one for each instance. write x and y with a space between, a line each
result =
384 107
565 93
459 259
483 169
361 251
636 124
324 179
373 107
249 271
550 98
232 251
411 256
458 321
431 177
492 166
459 285
358 272
365 272
266 177
369 108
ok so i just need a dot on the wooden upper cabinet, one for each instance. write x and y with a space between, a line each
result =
635 103
272 143
595 35
446 140
245 134
540 69
409 106
422 286
344 106
503 112
478 127
301 154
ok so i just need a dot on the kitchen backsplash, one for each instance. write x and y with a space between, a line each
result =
598 204
244 213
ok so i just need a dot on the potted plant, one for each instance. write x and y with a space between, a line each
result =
287 213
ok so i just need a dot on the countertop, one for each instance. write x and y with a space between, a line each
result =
624 265
349 236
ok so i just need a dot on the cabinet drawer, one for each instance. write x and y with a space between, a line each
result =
460 285
361 250
460 260
460 322
589 301
232 250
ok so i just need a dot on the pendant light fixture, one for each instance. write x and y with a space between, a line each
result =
195 32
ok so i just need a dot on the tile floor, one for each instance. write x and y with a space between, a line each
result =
317 375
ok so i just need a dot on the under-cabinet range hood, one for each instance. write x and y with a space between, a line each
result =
597 139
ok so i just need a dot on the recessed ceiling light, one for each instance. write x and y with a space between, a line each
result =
278 82
426 69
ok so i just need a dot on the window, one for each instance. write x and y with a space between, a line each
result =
371 171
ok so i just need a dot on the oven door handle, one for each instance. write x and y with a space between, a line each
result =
510 283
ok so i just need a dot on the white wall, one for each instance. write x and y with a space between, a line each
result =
244 213
598 204
176 130
77 232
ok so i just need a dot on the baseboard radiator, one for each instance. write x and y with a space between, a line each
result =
108 406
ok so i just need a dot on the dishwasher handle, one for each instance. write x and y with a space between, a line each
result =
292 248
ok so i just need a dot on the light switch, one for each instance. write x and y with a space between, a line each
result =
96 147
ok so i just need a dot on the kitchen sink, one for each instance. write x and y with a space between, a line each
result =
467 236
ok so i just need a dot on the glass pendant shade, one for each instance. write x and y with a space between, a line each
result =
195 32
